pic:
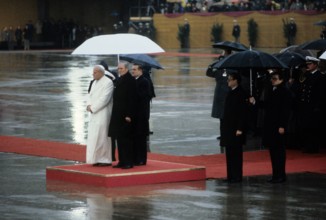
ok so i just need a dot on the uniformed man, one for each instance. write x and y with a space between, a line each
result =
308 100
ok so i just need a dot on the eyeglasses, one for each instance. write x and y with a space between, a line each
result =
274 78
309 63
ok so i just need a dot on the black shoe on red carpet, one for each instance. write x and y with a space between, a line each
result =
117 166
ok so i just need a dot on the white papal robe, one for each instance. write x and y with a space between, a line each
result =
98 142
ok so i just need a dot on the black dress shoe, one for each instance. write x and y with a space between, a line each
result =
127 167
95 164
104 164
117 166
140 164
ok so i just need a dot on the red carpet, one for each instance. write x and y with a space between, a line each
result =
255 163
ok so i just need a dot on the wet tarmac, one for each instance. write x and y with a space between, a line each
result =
42 95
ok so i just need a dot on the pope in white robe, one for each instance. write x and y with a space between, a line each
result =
99 106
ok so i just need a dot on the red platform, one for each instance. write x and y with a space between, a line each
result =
154 172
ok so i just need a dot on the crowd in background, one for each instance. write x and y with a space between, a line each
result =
61 33
66 33
241 5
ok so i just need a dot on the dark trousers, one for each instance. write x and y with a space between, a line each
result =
113 147
278 157
140 149
234 162
125 151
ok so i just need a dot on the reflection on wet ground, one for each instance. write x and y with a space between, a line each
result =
25 193
42 95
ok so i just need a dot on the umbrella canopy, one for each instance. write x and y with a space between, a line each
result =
320 23
291 59
115 44
297 49
250 59
323 56
143 59
227 45
319 44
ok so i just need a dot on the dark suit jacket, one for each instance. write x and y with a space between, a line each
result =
235 114
143 97
123 106
277 106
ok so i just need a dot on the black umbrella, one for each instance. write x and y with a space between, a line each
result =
319 44
142 59
297 49
320 23
250 59
227 45
291 59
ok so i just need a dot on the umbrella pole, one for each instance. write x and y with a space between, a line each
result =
250 82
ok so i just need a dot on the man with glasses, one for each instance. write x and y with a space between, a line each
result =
277 108
233 128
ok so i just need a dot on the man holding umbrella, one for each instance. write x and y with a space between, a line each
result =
277 108
221 88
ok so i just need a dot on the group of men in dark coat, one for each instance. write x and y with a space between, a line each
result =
279 102
130 116
277 105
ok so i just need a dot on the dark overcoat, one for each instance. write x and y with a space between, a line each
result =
123 106
220 92
235 114
143 97
277 106
309 100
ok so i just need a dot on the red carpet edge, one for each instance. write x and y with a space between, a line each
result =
255 163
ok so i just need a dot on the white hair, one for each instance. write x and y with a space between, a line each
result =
100 67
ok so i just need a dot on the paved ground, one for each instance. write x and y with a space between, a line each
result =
42 95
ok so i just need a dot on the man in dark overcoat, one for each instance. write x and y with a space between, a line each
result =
277 106
123 116
233 127
143 97
221 88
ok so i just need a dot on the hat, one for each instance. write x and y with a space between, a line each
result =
312 59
